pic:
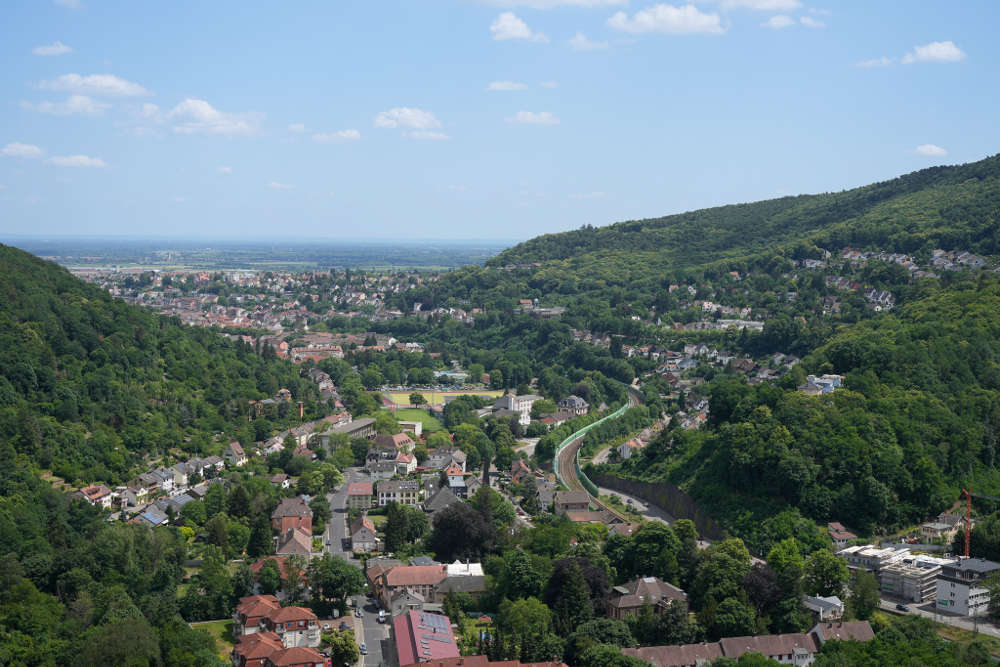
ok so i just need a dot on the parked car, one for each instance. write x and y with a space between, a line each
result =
343 626
364 649
902 607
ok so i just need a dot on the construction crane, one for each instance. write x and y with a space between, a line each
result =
968 513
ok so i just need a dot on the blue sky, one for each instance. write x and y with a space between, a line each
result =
495 119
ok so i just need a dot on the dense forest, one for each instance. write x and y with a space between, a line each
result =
88 384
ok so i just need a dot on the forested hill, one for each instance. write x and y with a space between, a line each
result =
951 207
88 384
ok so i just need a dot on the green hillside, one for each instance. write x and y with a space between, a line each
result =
938 207
89 384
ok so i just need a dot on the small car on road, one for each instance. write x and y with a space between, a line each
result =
902 607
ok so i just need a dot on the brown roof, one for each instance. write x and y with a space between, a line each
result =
572 497
416 575
362 522
298 655
844 631
258 645
379 566
360 489
581 516
768 645
288 614
292 507
676 656
237 448
295 542
642 590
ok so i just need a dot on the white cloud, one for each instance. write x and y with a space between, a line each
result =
408 118
763 5
506 85
200 117
427 135
778 22
580 42
877 62
509 26
551 4
76 104
332 137
821 12
17 149
297 128
935 52
77 161
668 19
104 85
549 84
57 48
588 195
534 118
930 150
810 22
275 185
225 170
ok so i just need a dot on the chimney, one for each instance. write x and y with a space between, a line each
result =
301 405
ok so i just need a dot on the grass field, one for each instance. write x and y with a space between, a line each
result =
223 633
437 397
417 415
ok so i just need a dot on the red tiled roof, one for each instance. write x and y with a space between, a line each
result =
288 614
298 655
360 489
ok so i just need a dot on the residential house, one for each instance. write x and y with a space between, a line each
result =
959 587
234 454
182 472
566 501
359 428
824 608
441 499
374 569
253 650
363 535
397 442
153 517
574 405
135 495
297 656
401 491
442 457
798 648
421 637
280 480
546 494
164 479
359 495
630 598
457 481
250 612
292 513
422 579
840 535
97 495
211 464
406 464
297 626
519 471
294 542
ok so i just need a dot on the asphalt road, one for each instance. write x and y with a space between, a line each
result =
927 610
336 539
373 634
648 511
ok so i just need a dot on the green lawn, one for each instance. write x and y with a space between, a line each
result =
378 519
437 397
431 424
223 633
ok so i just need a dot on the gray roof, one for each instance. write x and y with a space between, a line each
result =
443 498
978 565
423 560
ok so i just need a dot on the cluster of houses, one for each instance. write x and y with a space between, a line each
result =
821 384
269 635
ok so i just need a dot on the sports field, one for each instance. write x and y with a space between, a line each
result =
437 397
431 424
